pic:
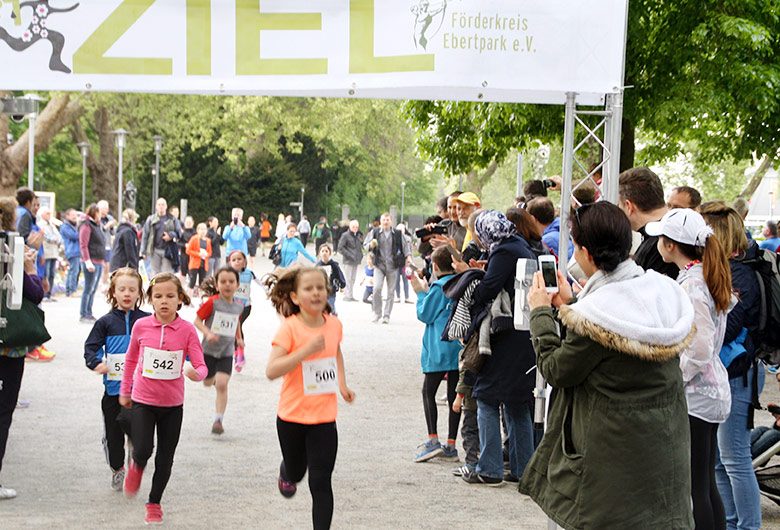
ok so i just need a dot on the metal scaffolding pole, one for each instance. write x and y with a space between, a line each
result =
614 138
568 166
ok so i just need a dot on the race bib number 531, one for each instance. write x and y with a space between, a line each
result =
162 364
320 377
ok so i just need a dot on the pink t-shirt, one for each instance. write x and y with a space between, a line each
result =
149 333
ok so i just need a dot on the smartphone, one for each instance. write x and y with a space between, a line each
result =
774 409
549 273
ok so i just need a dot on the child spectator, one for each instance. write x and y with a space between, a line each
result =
439 358
336 280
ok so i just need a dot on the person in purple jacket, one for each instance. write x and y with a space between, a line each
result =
12 359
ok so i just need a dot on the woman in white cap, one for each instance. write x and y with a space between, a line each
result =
685 240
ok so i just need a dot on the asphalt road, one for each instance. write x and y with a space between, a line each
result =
56 462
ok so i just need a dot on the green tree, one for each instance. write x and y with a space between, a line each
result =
704 71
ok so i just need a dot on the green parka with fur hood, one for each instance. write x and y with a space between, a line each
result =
616 453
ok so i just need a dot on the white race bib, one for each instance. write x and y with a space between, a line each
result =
242 293
320 377
162 364
224 324
116 366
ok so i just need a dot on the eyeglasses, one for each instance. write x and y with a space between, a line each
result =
582 209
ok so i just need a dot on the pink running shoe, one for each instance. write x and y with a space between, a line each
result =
133 478
240 359
154 514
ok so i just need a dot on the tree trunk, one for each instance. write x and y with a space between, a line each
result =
475 181
755 180
101 162
60 112
627 147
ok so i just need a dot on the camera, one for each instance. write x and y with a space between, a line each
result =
424 232
235 220
548 183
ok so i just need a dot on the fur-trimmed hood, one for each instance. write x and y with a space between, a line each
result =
648 316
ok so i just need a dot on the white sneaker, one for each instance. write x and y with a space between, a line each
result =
7 493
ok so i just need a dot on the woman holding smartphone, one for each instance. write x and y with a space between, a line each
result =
616 452
506 379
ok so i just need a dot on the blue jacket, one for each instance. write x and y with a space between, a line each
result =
70 237
552 235
291 247
236 237
433 308
110 334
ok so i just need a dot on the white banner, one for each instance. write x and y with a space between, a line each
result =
530 51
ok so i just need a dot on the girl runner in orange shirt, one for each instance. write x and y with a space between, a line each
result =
307 353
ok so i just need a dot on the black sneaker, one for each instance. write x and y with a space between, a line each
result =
511 477
475 478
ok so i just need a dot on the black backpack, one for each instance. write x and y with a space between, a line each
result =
766 334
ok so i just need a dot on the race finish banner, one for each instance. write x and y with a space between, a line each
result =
531 51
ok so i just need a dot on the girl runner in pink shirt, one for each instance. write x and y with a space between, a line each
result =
153 386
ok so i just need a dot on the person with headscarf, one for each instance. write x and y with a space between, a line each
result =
506 379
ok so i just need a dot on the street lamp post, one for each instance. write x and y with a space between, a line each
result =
158 140
121 138
303 192
33 117
403 193
84 149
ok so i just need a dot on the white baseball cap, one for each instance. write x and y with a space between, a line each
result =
682 225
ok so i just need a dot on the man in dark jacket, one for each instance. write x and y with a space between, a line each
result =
124 252
391 255
160 229
351 248
642 200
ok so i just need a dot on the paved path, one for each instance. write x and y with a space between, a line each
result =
55 459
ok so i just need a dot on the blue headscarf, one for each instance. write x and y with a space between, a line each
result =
492 227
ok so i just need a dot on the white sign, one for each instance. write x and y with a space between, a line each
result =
224 324
532 51
162 364
116 366
320 377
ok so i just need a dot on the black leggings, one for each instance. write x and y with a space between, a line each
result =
11 372
198 275
313 447
114 435
430 387
708 510
168 423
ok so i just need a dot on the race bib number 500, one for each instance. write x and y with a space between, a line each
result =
320 377
162 364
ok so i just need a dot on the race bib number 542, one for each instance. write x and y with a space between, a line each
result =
162 364
320 377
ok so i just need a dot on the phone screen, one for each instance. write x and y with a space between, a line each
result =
549 274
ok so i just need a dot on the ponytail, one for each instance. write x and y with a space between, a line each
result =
717 273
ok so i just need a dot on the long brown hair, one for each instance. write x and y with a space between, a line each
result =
727 225
280 283
715 268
